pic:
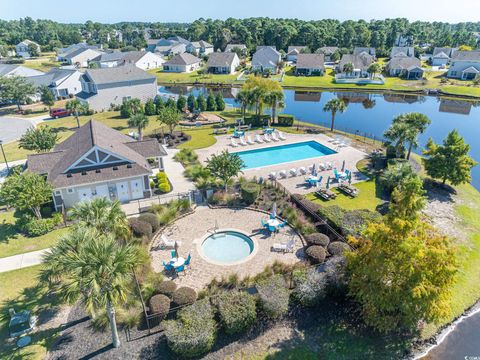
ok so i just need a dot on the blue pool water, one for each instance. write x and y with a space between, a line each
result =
227 247
283 153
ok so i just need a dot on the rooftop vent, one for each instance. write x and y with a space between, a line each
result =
69 175
98 171
84 173
115 168
129 166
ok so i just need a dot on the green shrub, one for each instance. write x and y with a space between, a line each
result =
311 288
167 288
285 120
129 318
334 214
237 311
336 275
151 219
194 332
159 304
184 296
250 191
337 248
151 283
255 121
186 157
141 229
316 254
317 239
273 296
164 187
37 227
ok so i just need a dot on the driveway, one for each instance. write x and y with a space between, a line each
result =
12 128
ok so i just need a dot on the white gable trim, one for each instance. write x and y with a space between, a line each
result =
98 161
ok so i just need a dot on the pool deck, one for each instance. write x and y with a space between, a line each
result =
191 229
296 184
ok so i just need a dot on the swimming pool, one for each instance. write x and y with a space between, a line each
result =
283 153
227 247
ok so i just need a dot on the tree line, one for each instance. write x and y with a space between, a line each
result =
380 34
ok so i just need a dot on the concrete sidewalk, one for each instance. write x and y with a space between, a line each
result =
22 261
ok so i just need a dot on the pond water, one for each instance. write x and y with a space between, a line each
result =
370 114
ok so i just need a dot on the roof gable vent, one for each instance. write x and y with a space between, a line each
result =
84 173
69 175
98 171
129 166
115 168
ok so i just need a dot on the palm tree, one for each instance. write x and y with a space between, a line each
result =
258 98
102 215
418 124
348 68
74 106
275 99
244 99
373 69
398 133
94 268
334 106
140 121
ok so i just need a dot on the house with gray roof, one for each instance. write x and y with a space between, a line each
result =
241 47
310 64
61 82
62 52
223 63
200 48
441 56
142 59
293 51
81 56
23 48
266 58
368 50
402 51
98 162
328 51
360 63
465 65
18 70
102 88
409 68
166 47
182 63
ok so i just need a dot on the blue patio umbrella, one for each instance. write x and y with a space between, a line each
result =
343 166
274 210
350 178
328 182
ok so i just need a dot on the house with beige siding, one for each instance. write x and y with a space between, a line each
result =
81 57
182 63
465 65
102 88
98 162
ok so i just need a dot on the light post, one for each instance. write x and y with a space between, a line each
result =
4 157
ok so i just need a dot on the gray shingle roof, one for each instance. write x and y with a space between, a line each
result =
266 56
290 50
467 56
56 163
403 62
76 52
7 68
361 61
369 51
310 61
221 59
51 77
327 50
444 52
230 47
110 56
118 74
183 59
402 51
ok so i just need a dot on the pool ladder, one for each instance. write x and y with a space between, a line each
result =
213 229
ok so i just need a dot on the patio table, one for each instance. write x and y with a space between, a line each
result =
268 130
176 262
273 223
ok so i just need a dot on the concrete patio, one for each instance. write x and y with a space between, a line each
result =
191 229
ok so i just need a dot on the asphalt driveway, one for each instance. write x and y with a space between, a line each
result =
13 128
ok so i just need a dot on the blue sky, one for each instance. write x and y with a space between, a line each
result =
109 11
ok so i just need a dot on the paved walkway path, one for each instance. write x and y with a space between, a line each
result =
12 128
21 261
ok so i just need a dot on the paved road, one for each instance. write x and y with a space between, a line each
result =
12 128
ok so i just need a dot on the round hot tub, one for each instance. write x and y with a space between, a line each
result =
227 247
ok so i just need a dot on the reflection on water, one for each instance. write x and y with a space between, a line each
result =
307 96
455 106
227 93
403 98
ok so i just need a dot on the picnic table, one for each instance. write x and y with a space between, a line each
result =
326 194
220 131
176 262
349 190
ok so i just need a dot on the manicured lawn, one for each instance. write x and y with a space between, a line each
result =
201 138
20 290
193 77
12 242
43 63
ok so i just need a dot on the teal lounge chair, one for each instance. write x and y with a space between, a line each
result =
172 253
187 262
180 269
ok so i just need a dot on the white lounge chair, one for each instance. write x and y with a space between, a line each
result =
302 170
250 141
329 166
243 142
322 166
281 136
283 173
284 247
167 243
272 175
233 142
267 138
274 137
293 172
258 139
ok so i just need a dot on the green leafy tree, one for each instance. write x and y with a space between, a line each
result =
417 124
348 68
220 103
395 174
191 103
211 104
16 89
449 161
181 103
334 106
374 69
171 103
336 56
159 104
408 199
40 139
131 107
26 191
92 267
46 96
33 50
140 122
150 108
202 103
225 166
170 117
77 107
397 135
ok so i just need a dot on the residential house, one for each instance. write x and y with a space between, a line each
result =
310 64
402 51
266 58
61 82
293 51
102 88
223 63
182 63
403 40
98 162
22 48
406 67
360 63
259 47
200 48
442 55
62 52
328 51
142 59
81 57
166 47
465 65
18 70
241 47
368 50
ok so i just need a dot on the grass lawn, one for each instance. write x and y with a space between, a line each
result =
12 242
43 63
20 289
193 77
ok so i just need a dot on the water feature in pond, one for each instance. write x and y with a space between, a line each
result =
372 113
